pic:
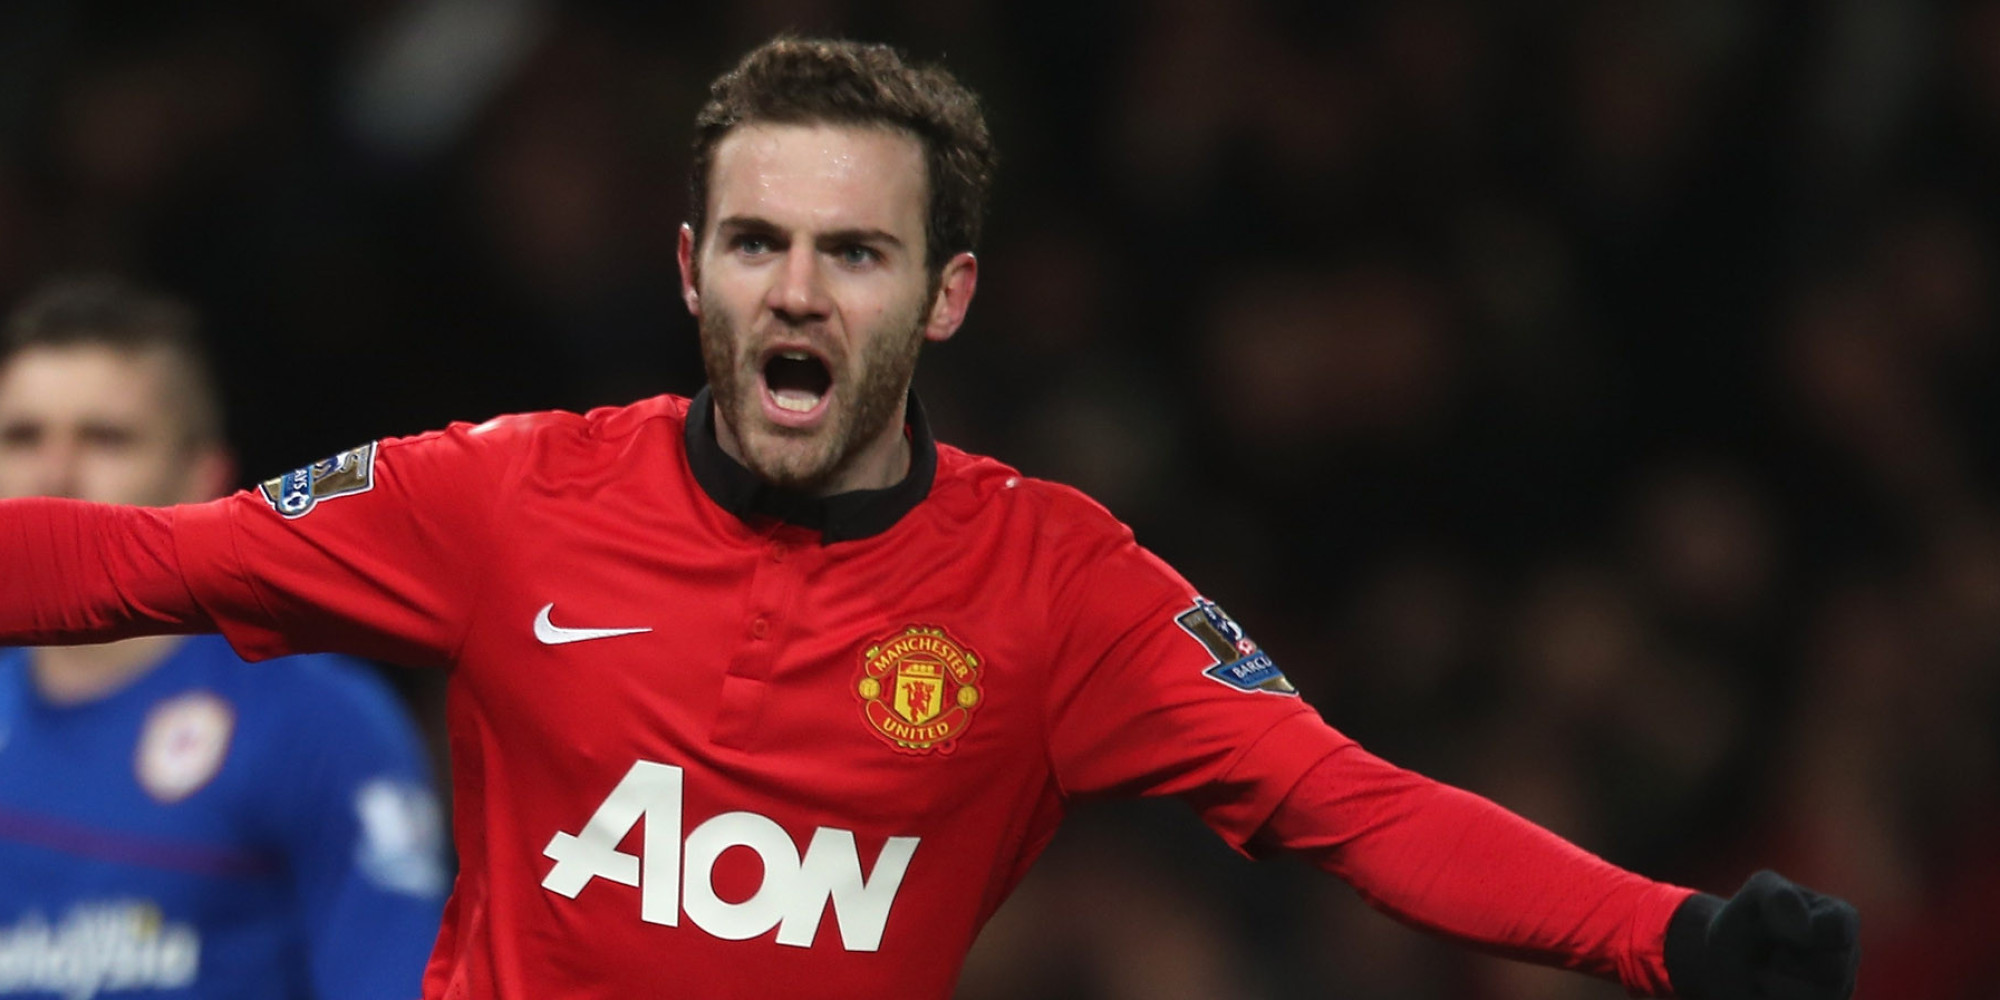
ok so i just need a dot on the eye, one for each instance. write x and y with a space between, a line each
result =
751 244
857 254
20 435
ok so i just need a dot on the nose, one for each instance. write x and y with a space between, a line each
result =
798 291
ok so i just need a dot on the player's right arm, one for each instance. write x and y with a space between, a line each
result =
377 552
73 572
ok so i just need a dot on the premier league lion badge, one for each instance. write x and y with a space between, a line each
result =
1239 663
918 689
296 493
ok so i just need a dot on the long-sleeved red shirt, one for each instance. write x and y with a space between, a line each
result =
660 667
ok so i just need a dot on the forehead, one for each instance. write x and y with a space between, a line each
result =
821 177
85 381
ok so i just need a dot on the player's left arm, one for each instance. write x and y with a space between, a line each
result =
1456 864
1159 692
364 840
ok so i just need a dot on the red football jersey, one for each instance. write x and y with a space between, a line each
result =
718 740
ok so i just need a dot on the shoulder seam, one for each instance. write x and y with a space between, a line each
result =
504 493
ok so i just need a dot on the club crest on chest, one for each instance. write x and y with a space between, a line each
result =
919 688
182 745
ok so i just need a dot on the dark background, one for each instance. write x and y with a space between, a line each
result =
1596 405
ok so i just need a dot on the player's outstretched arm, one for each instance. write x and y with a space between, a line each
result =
374 552
74 572
1458 865
1773 939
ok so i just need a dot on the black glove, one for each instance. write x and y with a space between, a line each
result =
1775 940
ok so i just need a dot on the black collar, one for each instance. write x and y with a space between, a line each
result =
838 518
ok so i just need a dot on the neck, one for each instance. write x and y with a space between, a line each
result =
881 464
70 675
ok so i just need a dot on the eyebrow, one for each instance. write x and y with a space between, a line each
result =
841 236
757 224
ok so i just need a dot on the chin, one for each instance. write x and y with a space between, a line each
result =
805 473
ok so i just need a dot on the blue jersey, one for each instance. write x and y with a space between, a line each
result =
216 829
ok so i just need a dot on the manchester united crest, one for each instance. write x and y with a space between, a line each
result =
918 689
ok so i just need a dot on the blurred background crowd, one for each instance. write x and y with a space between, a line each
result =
1595 405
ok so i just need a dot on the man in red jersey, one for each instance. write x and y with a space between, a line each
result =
767 693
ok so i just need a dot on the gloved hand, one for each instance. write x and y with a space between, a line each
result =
1775 940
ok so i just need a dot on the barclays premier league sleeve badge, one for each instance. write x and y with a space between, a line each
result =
1239 663
296 493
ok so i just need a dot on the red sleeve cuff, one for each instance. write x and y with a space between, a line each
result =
1643 967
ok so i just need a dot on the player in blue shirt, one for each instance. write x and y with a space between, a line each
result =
175 822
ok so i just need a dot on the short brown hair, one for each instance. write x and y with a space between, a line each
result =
812 80
103 311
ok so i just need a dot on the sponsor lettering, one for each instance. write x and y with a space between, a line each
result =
674 875
121 946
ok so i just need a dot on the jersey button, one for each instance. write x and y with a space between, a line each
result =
759 627
778 552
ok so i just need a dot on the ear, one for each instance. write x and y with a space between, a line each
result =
690 271
956 284
211 474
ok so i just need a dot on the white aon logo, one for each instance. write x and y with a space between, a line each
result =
672 877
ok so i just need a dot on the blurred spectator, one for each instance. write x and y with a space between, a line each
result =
173 818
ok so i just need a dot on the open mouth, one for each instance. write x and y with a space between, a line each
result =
796 381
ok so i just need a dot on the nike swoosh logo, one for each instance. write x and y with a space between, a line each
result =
555 635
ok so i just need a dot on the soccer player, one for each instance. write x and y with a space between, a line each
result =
769 693
175 822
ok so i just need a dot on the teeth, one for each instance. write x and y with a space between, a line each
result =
795 400
795 355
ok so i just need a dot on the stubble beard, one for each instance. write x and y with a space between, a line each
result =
807 461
